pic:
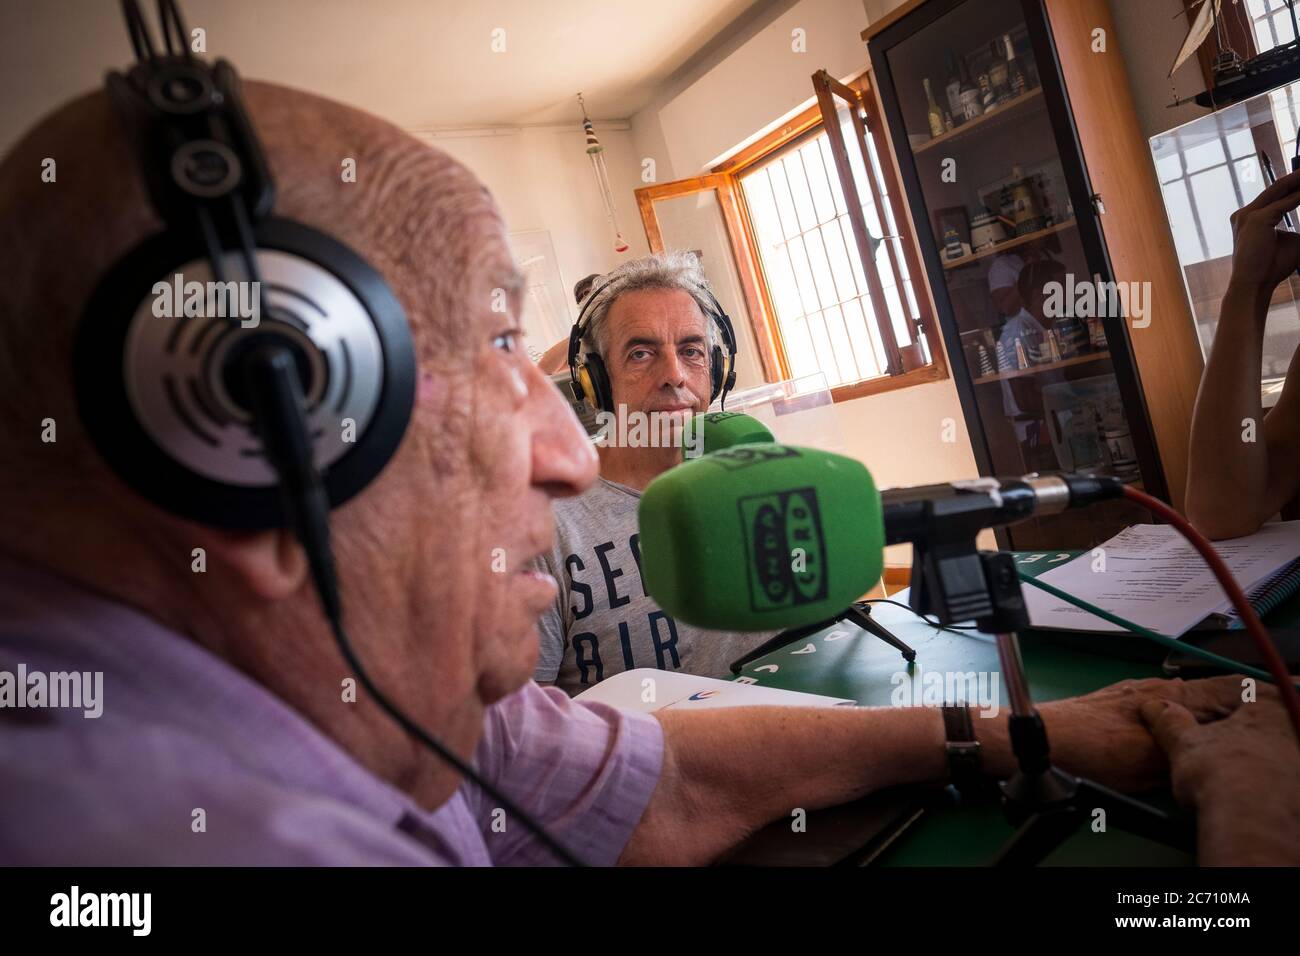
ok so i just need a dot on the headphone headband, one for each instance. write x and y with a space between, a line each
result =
166 101
164 396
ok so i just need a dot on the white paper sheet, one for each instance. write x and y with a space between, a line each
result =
1153 577
629 691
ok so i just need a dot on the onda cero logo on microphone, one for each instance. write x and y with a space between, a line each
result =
783 535
746 456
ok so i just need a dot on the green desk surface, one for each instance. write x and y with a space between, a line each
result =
845 661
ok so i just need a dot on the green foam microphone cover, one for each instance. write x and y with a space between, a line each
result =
761 537
714 431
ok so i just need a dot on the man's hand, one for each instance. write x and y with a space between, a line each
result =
1241 775
1102 736
1262 254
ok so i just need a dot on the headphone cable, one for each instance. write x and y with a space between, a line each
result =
277 398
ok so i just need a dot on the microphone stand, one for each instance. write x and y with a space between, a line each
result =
954 581
858 613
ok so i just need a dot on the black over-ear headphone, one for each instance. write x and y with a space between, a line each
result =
591 378
256 421
163 396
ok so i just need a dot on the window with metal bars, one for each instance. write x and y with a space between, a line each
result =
826 262
828 319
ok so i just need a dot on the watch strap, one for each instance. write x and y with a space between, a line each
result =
964 762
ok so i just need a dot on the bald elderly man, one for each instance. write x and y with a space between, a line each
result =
224 737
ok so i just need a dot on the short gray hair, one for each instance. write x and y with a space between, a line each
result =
662 270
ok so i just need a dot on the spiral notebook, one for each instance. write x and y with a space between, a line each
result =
1264 597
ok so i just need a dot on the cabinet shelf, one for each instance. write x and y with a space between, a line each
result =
1008 244
1046 367
1024 105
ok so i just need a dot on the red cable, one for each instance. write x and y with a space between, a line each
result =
1285 685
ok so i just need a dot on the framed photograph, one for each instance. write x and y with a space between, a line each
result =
1049 185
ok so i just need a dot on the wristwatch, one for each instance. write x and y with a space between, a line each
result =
964 762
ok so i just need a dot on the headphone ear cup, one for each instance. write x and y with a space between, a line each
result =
597 383
151 391
717 373
585 390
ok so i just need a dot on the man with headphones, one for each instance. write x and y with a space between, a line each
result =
273 545
651 348
176 490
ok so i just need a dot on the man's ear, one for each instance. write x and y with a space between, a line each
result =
270 564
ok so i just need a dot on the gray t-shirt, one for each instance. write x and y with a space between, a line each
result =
603 622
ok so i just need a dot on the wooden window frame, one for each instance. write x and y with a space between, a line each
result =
767 335
725 177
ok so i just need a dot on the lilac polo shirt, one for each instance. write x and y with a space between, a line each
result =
183 731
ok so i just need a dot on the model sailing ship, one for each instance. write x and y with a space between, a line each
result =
1236 78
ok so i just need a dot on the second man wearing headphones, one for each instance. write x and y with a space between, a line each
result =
655 351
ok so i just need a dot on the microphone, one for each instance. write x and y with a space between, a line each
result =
760 537
959 509
720 430
772 537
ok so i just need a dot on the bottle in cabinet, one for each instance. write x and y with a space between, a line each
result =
988 99
933 112
970 101
999 78
953 87
1015 75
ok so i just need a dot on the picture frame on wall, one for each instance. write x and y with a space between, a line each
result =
547 314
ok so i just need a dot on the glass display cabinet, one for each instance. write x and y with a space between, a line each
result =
1006 219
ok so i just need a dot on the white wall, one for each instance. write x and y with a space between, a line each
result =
541 178
764 80
1150 34
698 119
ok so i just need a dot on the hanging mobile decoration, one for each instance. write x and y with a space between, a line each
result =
596 152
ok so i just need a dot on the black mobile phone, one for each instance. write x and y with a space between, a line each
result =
1270 178
1234 645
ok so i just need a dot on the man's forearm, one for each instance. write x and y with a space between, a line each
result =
1227 476
729 772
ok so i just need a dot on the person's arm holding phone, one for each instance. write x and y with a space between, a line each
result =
1245 465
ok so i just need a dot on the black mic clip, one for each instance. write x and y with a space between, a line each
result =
952 579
